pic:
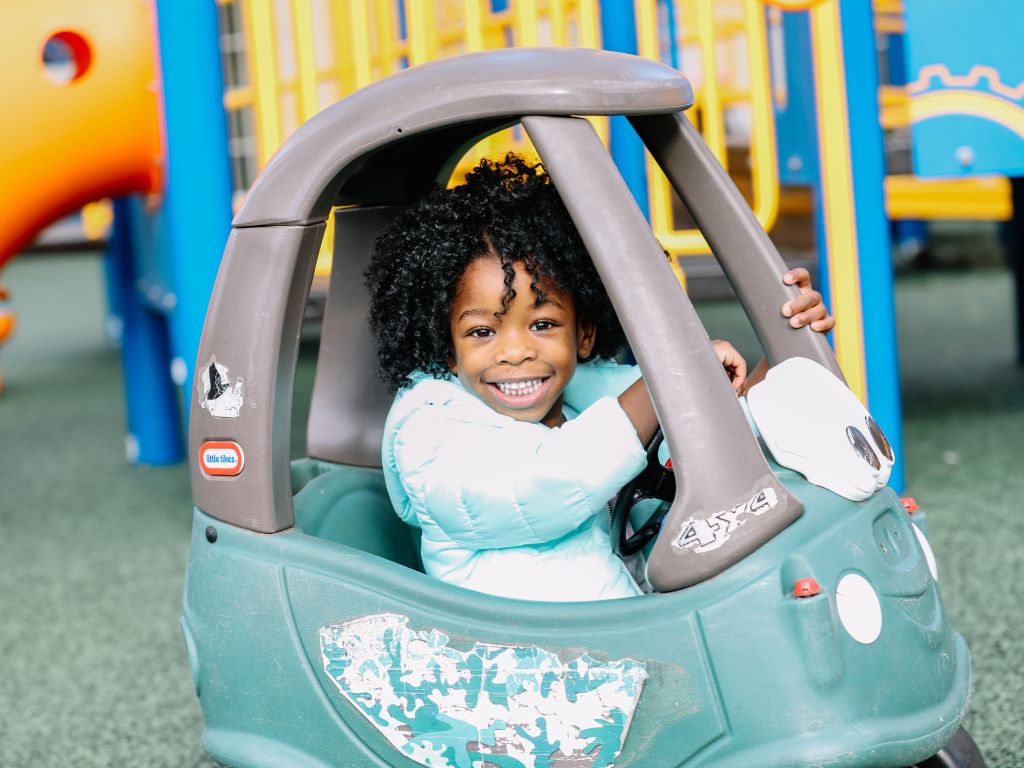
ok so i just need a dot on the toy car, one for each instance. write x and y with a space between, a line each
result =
811 633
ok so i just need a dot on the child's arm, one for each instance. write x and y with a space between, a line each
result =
636 402
492 483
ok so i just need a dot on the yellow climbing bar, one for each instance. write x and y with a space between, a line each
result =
725 50
980 198
841 245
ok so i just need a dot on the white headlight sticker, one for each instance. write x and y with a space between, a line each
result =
859 609
929 556
710 534
217 393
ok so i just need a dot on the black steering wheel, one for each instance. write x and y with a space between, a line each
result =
654 482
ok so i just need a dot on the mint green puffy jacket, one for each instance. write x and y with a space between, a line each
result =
509 507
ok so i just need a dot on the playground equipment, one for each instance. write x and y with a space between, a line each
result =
285 61
723 49
312 635
109 92
728 46
7 322
965 105
110 99
106 119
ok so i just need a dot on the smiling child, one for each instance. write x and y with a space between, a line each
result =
512 427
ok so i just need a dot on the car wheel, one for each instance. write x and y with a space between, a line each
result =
960 752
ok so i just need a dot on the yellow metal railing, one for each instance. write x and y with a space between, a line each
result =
889 17
724 51
303 55
985 198
893 107
298 56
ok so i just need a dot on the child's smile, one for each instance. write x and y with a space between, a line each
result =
520 361
521 393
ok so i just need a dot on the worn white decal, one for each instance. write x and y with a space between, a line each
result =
513 706
707 535
217 393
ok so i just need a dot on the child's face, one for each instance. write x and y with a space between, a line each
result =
518 363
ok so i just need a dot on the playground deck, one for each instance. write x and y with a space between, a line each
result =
93 550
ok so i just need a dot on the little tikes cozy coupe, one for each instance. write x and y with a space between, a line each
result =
791 626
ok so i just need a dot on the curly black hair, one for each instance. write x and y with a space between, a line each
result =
509 209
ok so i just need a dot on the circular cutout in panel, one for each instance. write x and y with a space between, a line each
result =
67 56
929 556
859 609
863 448
879 437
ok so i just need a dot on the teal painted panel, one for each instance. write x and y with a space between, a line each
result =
965 80
739 672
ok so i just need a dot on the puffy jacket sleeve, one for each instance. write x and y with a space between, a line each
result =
507 483
596 379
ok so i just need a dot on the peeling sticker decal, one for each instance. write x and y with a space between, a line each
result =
221 457
509 706
216 392
710 534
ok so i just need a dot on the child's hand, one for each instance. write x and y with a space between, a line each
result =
807 308
733 363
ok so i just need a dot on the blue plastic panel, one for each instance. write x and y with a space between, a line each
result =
965 77
794 114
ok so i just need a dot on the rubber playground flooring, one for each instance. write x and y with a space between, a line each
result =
93 551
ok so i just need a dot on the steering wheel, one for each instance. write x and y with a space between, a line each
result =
654 482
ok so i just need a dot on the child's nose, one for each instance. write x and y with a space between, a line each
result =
517 349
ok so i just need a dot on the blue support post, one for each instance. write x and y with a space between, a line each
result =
875 264
618 33
152 413
794 118
667 15
910 236
195 217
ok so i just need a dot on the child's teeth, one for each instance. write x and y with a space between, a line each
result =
520 387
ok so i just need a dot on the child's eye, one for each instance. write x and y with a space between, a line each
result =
480 333
544 325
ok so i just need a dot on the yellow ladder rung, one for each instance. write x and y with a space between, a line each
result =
984 198
893 106
238 98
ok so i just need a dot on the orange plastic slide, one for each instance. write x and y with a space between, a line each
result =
84 128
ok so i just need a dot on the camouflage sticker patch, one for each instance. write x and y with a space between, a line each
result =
494 705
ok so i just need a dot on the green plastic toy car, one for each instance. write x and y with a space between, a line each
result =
814 635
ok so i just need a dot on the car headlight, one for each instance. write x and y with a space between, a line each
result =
859 609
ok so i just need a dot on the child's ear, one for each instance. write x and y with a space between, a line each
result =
452 365
586 335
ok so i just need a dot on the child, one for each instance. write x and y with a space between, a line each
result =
484 300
